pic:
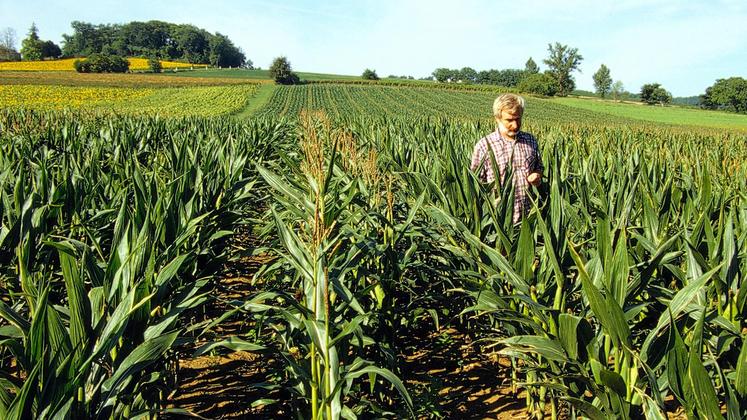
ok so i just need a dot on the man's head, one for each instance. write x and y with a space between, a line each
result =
508 110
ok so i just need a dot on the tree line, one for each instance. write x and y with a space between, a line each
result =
562 61
153 39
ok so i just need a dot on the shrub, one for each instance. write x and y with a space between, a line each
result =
369 74
282 73
154 64
538 84
102 63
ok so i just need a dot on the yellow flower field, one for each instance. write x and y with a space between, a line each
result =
181 101
129 80
66 64
59 97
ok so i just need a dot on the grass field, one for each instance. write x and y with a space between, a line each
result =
667 115
252 74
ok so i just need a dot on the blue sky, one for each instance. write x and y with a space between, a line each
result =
684 45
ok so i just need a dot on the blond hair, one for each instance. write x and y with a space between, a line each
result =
508 102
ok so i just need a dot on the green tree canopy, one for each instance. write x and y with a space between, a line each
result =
50 50
531 67
653 93
467 74
602 81
618 90
443 74
153 39
31 46
561 62
727 94
102 63
506 77
538 84
282 73
369 74
224 54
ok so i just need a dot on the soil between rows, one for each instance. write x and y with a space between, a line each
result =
445 374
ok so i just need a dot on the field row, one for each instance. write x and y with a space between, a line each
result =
345 101
182 101
66 64
136 80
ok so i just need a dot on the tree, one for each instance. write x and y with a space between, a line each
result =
31 46
653 93
727 94
281 72
617 90
101 63
50 50
193 43
562 61
602 81
505 78
467 74
8 45
369 74
531 67
539 84
154 64
443 74
510 77
224 54
85 40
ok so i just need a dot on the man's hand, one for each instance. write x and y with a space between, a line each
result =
534 178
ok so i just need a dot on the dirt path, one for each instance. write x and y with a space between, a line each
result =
444 373
449 378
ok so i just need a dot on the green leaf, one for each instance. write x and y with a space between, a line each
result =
568 334
542 346
650 409
585 407
740 384
386 374
14 318
607 310
231 343
141 357
79 306
22 404
676 369
679 302
703 389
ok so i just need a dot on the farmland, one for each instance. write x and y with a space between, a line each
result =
67 65
181 101
324 234
667 115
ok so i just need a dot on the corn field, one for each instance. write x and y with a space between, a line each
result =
619 296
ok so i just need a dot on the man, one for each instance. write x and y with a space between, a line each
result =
508 144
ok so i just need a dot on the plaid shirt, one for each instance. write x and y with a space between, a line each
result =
524 155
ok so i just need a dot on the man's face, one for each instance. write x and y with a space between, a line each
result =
509 122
